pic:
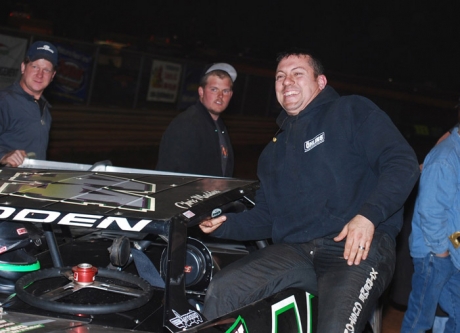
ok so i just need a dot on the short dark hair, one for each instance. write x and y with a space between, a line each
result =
219 73
314 61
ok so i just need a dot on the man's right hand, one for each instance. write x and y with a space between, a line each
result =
208 226
13 158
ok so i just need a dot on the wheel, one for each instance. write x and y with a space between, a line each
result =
133 291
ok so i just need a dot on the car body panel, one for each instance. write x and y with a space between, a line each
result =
98 206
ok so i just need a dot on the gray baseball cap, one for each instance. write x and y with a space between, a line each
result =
223 67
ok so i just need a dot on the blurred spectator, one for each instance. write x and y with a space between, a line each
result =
433 240
401 285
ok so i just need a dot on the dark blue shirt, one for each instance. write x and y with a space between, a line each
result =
24 122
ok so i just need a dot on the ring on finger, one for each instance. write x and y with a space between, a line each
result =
361 247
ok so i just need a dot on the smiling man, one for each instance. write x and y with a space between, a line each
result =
197 140
25 119
298 83
333 183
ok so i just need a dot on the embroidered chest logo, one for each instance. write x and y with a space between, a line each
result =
317 140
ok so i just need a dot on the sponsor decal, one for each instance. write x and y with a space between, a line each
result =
359 304
317 140
8 326
238 327
216 212
189 319
194 199
21 231
286 305
71 219
189 214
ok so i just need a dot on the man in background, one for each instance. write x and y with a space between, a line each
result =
441 317
434 240
197 140
25 119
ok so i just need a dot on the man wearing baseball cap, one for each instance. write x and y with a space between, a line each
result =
197 140
25 119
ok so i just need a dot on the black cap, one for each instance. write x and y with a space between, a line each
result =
43 50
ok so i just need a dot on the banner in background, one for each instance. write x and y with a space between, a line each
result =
71 82
189 89
164 81
12 53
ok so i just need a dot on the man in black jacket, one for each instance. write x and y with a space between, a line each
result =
197 141
333 183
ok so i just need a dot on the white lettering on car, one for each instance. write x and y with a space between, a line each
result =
73 219
35 215
194 199
362 298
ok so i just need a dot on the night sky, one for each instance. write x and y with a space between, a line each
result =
410 42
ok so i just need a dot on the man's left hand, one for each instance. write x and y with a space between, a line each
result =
359 233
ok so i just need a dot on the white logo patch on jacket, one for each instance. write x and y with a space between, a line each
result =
317 140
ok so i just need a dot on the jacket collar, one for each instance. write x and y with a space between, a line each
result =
205 111
18 89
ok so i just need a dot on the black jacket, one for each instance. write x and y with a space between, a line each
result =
190 144
339 157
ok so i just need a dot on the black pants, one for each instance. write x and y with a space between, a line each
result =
347 295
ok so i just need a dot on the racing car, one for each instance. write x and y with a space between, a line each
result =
106 249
